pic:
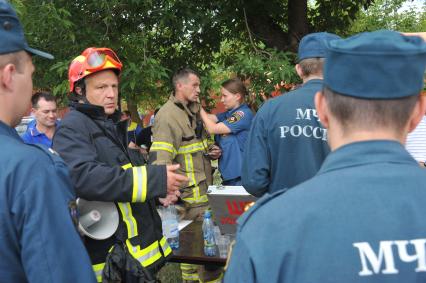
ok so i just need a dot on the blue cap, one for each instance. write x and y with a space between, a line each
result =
376 65
313 45
207 213
12 34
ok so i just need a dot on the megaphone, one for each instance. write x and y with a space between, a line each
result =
98 220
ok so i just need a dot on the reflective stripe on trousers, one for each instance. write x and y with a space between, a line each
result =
189 272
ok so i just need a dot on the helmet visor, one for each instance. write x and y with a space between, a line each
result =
98 57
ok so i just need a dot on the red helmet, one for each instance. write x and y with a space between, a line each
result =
92 60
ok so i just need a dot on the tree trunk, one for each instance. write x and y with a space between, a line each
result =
263 27
132 107
297 22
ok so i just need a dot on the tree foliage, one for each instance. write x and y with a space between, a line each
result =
388 14
248 38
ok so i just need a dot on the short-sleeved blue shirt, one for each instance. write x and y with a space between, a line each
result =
238 120
33 136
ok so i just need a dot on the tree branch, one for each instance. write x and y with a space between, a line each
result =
251 38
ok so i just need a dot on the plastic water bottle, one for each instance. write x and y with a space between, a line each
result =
170 226
208 234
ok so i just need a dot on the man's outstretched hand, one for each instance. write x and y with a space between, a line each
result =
169 199
175 181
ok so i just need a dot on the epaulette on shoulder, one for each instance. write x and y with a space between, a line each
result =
49 152
259 203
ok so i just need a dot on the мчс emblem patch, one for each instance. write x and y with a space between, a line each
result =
235 117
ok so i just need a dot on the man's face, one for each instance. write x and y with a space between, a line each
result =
190 88
45 113
102 90
23 82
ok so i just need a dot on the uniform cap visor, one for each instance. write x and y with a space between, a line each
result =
39 53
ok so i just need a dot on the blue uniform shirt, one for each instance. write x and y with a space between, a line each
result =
238 120
360 219
286 144
38 240
33 136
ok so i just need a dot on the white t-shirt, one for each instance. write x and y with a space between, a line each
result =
416 141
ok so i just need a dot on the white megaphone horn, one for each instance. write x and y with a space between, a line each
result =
98 220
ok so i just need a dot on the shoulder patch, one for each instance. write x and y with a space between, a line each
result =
235 117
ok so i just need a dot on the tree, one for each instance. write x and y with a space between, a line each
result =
153 38
281 24
66 28
388 14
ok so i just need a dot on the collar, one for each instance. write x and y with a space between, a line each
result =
35 132
95 112
232 111
366 152
8 131
191 108
313 82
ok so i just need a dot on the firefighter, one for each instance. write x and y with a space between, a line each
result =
179 137
93 142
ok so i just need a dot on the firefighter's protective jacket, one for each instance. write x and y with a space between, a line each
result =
178 137
103 168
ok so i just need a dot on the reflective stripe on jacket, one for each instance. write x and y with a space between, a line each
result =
175 141
104 169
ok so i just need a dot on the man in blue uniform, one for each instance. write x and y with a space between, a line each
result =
287 144
361 218
38 239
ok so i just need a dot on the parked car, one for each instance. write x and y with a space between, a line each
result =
25 122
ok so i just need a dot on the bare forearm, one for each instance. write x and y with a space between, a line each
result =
212 126
205 116
209 121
